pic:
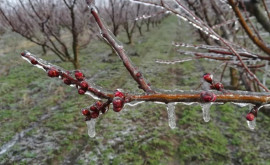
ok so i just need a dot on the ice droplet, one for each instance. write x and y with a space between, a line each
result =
171 115
251 124
205 110
91 127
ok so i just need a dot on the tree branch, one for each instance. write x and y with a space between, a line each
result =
136 75
164 97
244 24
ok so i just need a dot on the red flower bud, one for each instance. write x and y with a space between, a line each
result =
118 104
219 86
85 112
118 94
98 104
67 81
93 108
138 74
34 62
208 77
84 85
94 114
208 96
53 73
79 75
81 91
250 116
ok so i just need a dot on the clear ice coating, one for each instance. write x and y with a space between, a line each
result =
171 115
92 95
251 124
91 127
242 104
205 110
134 103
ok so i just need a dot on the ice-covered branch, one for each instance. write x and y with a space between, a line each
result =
118 98
83 87
137 75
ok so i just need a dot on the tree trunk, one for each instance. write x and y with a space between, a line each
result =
129 35
140 30
44 50
234 78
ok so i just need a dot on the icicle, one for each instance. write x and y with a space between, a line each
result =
171 115
251 124
91 127
206 109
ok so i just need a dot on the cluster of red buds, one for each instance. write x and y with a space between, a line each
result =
209 78
79 80
208 96
94 110
252 114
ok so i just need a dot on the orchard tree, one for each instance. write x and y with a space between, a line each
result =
114 14
231 53
48 23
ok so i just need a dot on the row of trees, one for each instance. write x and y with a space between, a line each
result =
51 23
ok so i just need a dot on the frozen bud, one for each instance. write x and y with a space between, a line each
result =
118 104
94 114
138 74
22 53
208 77
34 62
84 85
53 73
117 93
250 116
219 86
81 91
98 104
94 108
208 96
79 75
67 81
85 112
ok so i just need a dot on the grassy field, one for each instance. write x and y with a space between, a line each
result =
41 116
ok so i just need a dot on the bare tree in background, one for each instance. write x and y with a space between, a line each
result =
114 14
49 24
129 22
